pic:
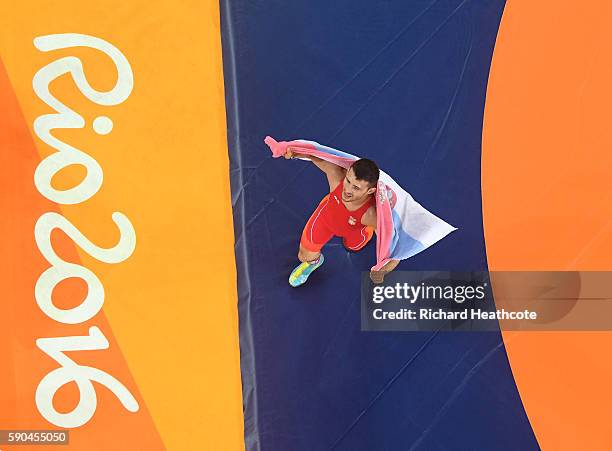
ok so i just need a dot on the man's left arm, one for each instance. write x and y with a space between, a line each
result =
369 219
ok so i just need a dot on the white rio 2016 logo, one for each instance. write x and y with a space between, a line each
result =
67 155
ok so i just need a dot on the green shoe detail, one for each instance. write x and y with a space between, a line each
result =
300 274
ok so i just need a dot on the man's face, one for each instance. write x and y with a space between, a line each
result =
354 190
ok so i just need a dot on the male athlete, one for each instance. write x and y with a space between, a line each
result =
348 211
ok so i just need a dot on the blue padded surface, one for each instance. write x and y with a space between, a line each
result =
403 83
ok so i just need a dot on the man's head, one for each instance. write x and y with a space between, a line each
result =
360 181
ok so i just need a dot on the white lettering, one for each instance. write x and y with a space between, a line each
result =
67 155
83 376
61 270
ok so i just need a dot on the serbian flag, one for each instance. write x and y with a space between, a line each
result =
403 226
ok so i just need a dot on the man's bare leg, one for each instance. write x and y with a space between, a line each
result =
304 255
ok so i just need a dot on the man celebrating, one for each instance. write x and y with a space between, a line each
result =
348 211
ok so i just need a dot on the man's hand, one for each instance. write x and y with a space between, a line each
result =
378 276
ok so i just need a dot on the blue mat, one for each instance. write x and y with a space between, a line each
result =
403 83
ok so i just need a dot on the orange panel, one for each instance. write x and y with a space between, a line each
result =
170 308
547 198
25 322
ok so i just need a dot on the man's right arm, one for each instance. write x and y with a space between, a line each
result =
335 174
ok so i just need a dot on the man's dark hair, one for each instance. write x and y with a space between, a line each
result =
366 170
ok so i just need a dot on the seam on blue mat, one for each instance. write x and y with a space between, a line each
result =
368 64
252 442
449 109
456 392
397 71
384 389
